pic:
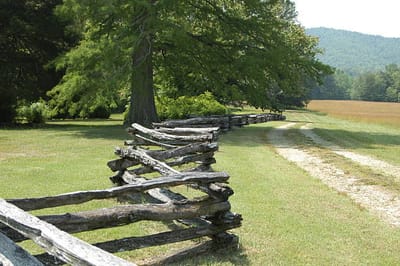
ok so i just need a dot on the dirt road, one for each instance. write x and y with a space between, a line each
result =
376 199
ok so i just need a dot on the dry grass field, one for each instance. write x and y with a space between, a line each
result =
374 112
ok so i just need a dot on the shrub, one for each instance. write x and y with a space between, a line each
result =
34 113
100 111
77 111
186 106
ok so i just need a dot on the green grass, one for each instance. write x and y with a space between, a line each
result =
289 217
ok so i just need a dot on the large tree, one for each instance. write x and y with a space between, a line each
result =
252 50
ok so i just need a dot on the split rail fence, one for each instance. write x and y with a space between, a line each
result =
163 174
224 122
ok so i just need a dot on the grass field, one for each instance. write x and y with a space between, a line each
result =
374 112
351 125
289 217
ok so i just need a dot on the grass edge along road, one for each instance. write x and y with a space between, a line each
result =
289 217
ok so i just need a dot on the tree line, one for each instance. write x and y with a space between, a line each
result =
381 86
85 58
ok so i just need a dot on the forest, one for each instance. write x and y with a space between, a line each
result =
355 52
367 66
380 86
85 59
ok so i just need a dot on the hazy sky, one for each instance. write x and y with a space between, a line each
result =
377 17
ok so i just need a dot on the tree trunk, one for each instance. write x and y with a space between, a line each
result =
142 108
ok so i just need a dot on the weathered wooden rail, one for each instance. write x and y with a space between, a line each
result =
150 172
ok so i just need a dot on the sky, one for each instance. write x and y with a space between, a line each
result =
375 17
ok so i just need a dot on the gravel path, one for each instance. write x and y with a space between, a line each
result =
375 164
383 203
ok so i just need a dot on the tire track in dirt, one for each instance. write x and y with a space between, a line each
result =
385 204
374 164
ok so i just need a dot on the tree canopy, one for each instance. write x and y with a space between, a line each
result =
238 50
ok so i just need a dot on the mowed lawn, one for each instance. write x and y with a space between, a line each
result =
289 218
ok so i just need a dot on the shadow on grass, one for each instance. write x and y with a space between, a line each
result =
94 128
358 139
117 132
233 256
248 136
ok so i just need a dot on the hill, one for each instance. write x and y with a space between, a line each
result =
355 52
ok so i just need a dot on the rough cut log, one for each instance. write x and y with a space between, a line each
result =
54 241
200 158
190 130
156 195
132 243
126 214
129 161
188 149
205 121
121 164
164 238
214 190
12 234
160 195
252 119
238 121
127 244
147 160
159 136
84 196
205 158
219 191
140 140
12 254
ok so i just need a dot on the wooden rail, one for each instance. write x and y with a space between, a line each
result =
55 241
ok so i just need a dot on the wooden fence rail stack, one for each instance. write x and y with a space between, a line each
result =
182 156
164 175
224 122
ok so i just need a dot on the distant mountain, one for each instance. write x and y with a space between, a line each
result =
355 52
